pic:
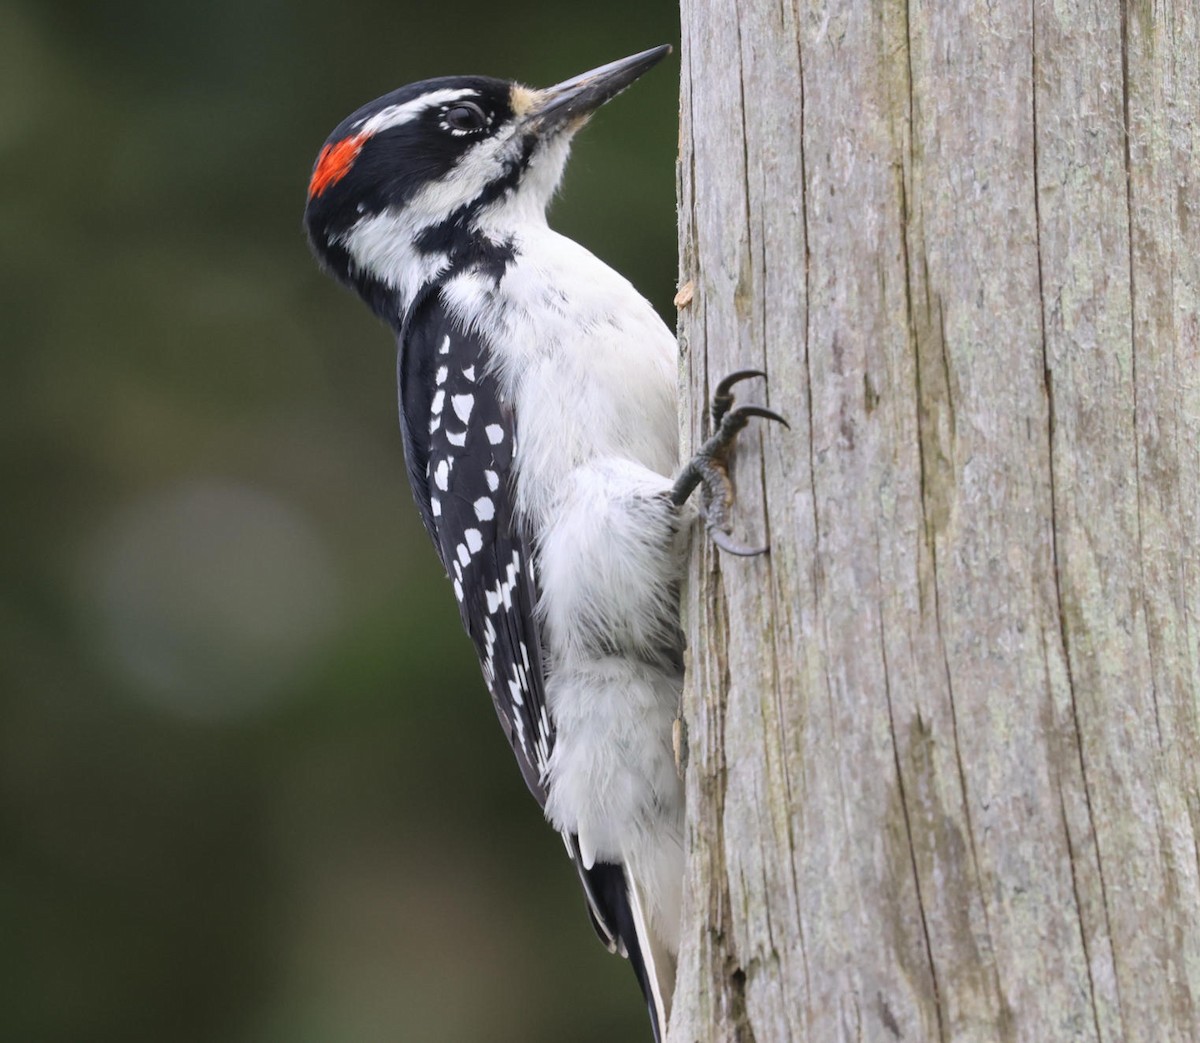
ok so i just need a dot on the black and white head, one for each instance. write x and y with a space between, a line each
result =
444 173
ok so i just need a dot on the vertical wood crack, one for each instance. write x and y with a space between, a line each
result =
1049 392
1056 568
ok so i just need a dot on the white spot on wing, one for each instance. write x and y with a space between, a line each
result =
474 540
463 404
493 480
442 373
469 372
485 510
463 555
439 398
441 476
495 433
445 348
506 589
458 438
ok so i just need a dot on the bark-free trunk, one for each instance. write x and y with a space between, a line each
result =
944 742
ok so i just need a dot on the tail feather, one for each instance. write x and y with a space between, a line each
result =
656 973
600 894
618 910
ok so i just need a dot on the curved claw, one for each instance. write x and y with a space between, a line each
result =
722 540
766 414
708 466
722 397
736 377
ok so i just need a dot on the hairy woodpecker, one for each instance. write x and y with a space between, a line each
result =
537 394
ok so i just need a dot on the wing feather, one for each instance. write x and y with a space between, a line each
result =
459 436
459 445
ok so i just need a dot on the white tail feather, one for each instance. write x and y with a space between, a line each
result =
659 961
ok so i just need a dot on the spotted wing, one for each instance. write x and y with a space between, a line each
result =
459 443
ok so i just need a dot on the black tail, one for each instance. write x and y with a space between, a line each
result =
613 917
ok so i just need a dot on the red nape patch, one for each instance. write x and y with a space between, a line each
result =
334 163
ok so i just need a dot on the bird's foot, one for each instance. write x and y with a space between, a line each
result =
709 468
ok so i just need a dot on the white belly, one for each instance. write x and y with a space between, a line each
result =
592 372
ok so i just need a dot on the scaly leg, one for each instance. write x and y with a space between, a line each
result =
709 467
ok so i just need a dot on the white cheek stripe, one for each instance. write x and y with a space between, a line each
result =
398 115
383 244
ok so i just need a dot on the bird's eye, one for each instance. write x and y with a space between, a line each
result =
465 116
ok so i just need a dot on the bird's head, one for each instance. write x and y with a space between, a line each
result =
444 173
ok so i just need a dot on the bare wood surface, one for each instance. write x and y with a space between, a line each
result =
943 743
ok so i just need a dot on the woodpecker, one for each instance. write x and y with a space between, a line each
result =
538 408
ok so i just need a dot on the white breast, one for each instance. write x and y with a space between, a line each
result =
589 365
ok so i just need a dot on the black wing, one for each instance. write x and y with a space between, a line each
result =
458 445
459 442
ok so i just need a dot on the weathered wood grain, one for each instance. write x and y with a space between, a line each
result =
944 743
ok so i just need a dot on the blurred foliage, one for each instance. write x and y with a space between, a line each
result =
251 786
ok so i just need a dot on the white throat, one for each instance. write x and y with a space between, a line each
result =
384 245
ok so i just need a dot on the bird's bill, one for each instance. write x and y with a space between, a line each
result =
580 96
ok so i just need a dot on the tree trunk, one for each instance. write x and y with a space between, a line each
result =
944 742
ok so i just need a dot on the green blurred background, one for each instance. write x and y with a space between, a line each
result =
251 786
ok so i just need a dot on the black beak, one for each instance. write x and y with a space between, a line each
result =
582 95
